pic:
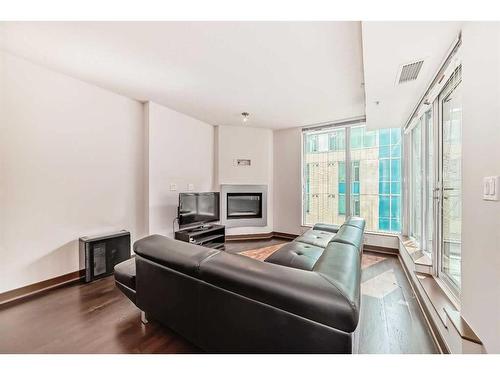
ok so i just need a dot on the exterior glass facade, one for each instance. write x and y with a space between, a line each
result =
374 174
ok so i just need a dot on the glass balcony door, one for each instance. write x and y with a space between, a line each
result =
430 208
422 191
450 132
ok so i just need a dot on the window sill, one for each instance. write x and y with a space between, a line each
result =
423 266
446 308
436 295
461 326
421 259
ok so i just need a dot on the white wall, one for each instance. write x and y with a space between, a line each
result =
288 181
243 142
71 165
181 152
481 157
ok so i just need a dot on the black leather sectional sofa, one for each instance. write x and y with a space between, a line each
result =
305 298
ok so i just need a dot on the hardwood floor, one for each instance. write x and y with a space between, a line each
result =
390 320
98 318
83 318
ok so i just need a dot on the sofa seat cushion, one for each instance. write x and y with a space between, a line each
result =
316 238
350 235
332 228
125 273
297 255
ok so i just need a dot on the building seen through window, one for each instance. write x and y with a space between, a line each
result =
374 176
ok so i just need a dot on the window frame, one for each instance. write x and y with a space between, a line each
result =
427 117
448 88
435 171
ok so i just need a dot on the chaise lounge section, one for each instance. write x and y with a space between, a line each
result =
305 298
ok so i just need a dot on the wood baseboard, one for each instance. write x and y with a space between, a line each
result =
41 286
286 236
380 249
260 236
250 236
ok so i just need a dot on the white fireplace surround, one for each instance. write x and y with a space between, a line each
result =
242 222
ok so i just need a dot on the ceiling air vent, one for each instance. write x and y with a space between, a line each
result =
409 72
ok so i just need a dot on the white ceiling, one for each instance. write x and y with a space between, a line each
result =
389 45
285 74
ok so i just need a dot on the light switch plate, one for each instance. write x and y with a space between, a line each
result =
173 187
491 187
190 187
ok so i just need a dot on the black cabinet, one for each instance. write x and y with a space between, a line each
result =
100 254
213 236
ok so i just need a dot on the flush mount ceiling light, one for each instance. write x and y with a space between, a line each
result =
245 116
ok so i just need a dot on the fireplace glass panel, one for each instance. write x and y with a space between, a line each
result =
244 205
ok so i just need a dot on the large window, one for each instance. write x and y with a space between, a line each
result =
362 179
324 176
341 179
390 180
416 183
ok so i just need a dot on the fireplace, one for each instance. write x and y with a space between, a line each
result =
244 205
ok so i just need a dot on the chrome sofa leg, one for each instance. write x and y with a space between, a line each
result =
144 317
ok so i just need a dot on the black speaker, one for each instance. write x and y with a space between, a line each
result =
100 254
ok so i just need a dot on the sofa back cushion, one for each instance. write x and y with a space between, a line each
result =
355 221
297 255
350 235
332 228
340 264
177 255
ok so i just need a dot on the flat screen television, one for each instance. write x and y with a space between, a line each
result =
198 208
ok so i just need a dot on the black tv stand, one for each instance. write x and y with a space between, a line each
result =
208 235
202 227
